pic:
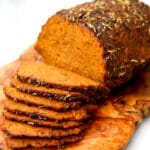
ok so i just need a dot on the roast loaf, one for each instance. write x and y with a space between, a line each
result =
105 40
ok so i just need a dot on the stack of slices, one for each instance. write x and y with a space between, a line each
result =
47 106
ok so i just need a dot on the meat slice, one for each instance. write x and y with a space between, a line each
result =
38 122
40 142
17 129
40 113
48 92
105 40
40 102
41 74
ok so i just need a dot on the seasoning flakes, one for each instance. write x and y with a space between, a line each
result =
103 15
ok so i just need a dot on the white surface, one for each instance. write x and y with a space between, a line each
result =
20 24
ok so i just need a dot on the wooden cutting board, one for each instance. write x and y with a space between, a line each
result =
114 122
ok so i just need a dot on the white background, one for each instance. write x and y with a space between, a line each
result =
20 24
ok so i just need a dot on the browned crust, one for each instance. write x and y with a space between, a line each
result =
88 91
40 113
20 130
56 94
40 102
45 123
40 142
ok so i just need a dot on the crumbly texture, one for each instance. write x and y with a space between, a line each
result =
40 113
42 74
17 129
40 143
60 95
38 122
39 102
107 40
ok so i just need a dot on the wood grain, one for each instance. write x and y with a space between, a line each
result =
115 121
